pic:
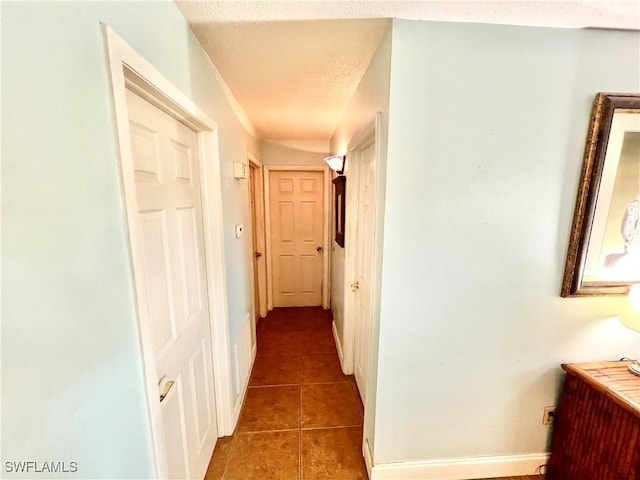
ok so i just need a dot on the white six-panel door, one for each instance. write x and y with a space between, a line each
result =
165 160
364 264
297 237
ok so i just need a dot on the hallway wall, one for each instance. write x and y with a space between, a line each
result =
276 153
71 372
487 129
371 97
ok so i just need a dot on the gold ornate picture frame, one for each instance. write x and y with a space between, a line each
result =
604 247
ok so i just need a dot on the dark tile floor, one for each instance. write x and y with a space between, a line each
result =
302 418
527 477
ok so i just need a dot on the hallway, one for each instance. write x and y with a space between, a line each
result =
302 418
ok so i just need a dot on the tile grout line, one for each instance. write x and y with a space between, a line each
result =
282 430
295 384
226 462
297 358
358 400
285 430
309 429
327 383
276 386
300 470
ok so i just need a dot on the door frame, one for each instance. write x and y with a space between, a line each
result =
370 135
325 233
128 69
259 200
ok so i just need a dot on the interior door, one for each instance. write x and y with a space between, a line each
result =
255 252
174 290
364 264
297 226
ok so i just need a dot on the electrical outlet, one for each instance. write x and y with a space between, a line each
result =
549 415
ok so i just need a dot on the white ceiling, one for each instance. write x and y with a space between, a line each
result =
294 65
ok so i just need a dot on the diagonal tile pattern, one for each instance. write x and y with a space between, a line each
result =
302 417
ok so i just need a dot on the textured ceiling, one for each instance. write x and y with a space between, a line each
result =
293 79
293 65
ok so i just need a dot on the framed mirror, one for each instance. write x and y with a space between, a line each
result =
604 247
340 183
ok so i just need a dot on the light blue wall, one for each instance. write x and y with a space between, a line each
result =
486 139
371 97
275 153
71 371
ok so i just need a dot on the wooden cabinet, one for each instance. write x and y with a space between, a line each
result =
597 427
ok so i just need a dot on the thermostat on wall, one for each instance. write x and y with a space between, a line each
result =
240 170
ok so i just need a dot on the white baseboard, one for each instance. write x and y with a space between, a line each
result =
459 468
336 338
245 354
368 458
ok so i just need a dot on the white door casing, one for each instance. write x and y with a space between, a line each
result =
362 235
127 67
256 193
256 254
301 193
361 286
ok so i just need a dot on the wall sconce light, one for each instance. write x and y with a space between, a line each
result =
336 163
634 323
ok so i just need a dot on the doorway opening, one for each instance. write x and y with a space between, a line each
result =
258 240
297 212
362 266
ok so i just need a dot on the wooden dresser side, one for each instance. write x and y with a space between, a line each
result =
597 425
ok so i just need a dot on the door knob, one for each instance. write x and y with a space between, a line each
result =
258 254
318 249
166 389
355 286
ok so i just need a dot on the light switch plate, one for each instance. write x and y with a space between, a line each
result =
239 230
240 170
